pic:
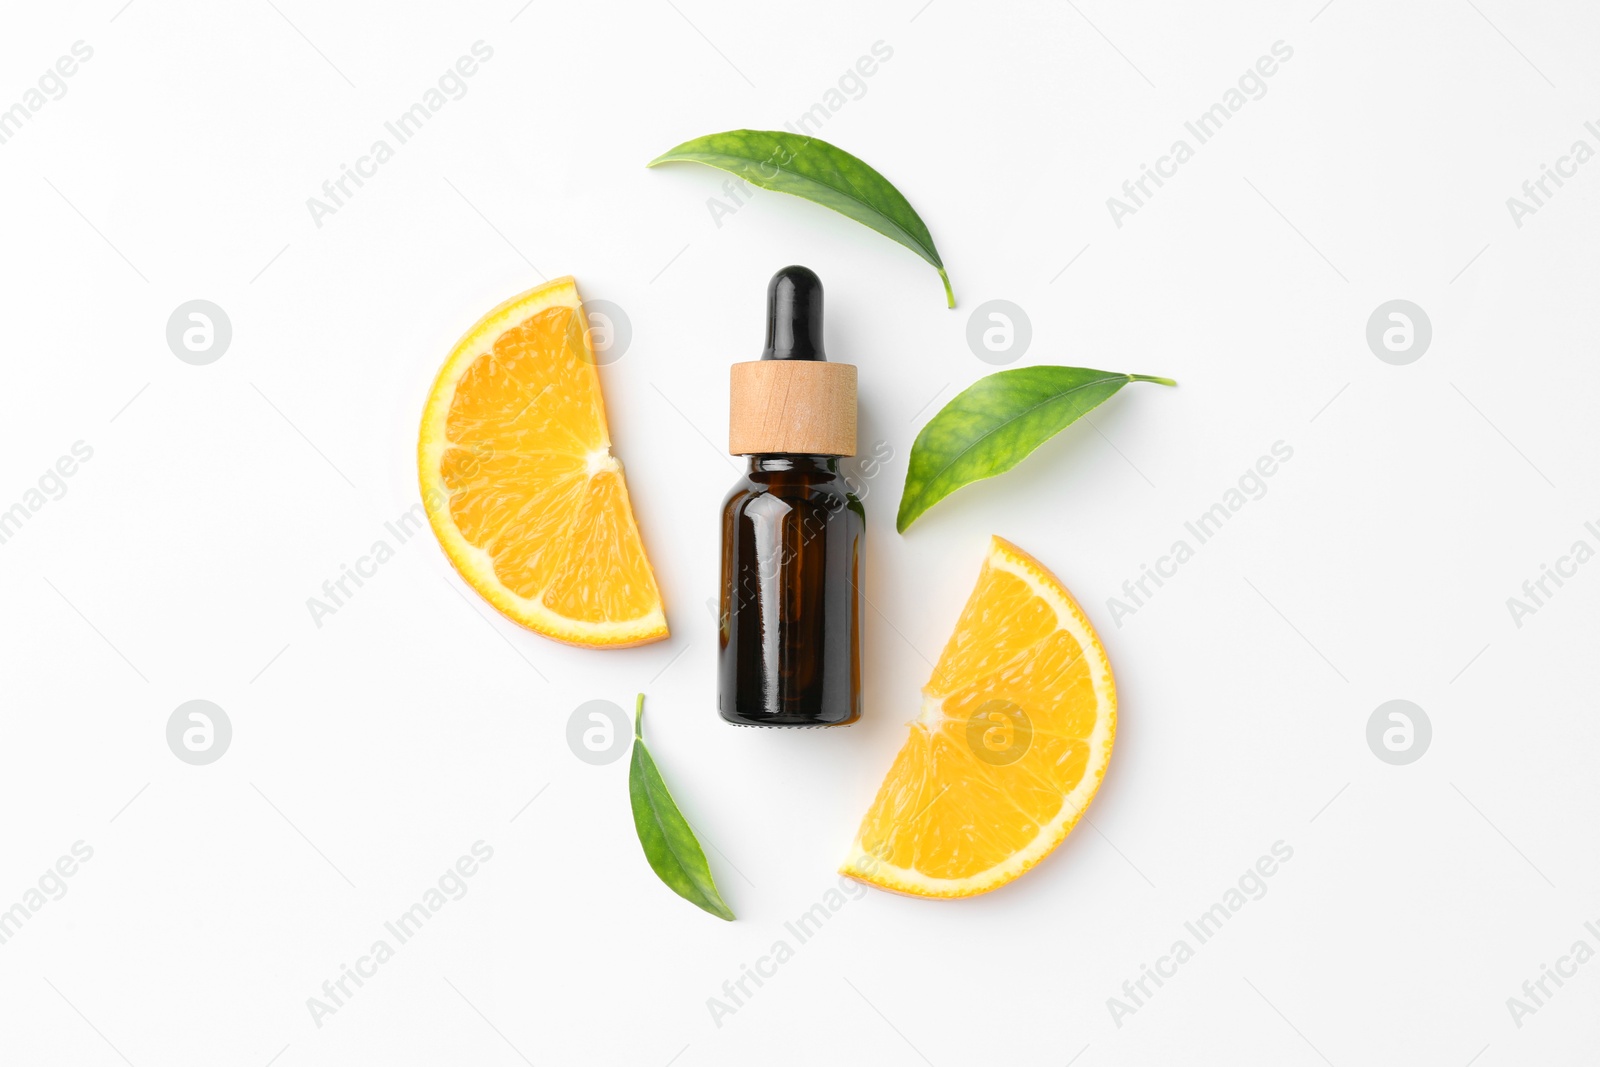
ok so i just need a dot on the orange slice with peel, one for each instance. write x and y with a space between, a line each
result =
520 484
1015 733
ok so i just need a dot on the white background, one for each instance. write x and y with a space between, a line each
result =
369 753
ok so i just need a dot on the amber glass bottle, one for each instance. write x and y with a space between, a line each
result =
790 637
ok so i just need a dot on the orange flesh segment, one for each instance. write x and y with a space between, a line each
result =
533 508
948 821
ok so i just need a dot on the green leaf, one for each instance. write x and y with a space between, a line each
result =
817 171
669 843
993 425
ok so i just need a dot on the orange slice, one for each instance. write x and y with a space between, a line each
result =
520 484
1015 734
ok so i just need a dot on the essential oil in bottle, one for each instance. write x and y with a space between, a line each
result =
789 647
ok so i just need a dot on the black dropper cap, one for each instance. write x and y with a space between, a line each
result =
794 315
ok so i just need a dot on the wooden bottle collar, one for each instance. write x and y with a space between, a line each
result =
798 406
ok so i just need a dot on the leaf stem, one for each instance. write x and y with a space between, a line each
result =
949 293
638 718
1150 378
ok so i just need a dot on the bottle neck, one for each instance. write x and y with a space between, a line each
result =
784 461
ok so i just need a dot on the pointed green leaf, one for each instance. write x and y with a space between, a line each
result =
820 172
993 425
669 843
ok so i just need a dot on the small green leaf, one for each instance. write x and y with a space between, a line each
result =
669 843
993 425
817 171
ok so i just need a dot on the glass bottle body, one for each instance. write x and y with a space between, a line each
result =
789 640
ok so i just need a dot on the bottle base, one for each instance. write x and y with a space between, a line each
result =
787 724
